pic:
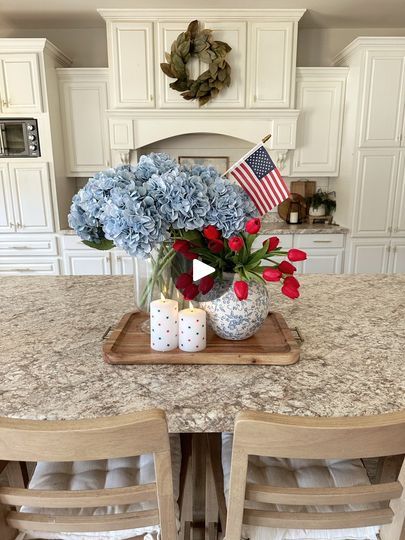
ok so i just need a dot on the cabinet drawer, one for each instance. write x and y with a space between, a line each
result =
27 245
71 241
319 240
286 240
29 266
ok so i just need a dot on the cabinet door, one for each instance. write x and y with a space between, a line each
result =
7 221
319 126
85 127
131 59
369 256
123 264
29 266
233 33
376 179
398 228
31 195
271 63
383 104
397 257
322 261
79 263
20 83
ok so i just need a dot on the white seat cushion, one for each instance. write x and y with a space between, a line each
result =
111 473
301 473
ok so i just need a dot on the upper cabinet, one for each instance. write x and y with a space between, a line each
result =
84 102
20 83
271 64
263 42
320 98
130 54
382 115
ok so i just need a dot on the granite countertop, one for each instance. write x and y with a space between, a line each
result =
281 227
51 367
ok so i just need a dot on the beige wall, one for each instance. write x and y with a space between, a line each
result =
317 46
87 47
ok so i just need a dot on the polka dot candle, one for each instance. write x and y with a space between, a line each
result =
192 329
164 328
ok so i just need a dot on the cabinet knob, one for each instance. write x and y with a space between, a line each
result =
389 229
11 224
151 98
19 226
4 103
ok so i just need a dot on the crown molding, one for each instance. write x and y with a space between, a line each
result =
189 14
319 72
38 45
92 74
364 42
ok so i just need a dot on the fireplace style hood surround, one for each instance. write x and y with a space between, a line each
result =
260 100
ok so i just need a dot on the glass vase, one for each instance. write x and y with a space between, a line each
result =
157 275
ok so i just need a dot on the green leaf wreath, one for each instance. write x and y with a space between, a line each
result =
198 42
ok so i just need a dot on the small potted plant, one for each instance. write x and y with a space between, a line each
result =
321 203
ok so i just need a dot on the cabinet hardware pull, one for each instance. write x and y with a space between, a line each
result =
151 98
322 241
388 248
396 229
4 103
21 247
11 224
19 226
21 270
389 229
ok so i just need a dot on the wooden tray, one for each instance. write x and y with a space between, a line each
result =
273 344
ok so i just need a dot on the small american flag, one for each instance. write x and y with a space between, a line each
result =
261 179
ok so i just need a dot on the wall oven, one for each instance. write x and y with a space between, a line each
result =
19 138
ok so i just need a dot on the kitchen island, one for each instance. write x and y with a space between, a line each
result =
51 367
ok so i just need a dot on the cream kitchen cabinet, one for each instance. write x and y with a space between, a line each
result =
25 198
320 96
398 222
7 220
83 262
369 255
29 266
396 263
20 83
382 114
130 57
84 104
231 32
271 64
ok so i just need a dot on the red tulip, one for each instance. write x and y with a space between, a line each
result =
190 255
286 268
190 292
183 280
272 274
290 281
296 255
241 289
182 246
253 226
211 233
206 284
273 243
291 292
236 243
216 246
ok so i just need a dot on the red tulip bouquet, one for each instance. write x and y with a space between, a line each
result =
236 255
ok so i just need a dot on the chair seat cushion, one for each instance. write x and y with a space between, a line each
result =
110 473
305 474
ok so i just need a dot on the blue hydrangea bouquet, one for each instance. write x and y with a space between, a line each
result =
145 208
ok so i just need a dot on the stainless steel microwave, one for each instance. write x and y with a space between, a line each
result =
19 138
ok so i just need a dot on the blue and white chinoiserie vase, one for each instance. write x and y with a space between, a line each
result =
231 318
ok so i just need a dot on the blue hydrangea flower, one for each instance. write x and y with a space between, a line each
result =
88 203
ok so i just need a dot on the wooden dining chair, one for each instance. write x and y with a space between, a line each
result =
314 485
109 476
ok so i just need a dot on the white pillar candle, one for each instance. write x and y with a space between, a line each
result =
164 327
294 217
193 329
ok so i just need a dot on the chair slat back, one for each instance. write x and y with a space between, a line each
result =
102 438
264 434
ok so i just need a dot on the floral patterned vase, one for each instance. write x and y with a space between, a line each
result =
231 318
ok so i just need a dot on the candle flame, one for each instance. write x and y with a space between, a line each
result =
162 296
190 305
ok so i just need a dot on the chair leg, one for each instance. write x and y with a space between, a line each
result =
396 529
213 531
215 450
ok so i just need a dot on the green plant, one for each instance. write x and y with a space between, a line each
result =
323 197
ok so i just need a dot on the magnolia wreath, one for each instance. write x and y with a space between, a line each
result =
197 42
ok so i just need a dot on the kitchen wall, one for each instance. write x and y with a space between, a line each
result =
87 47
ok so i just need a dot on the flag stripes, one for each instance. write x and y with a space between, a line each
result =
260 178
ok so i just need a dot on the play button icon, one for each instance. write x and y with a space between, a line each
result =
201 270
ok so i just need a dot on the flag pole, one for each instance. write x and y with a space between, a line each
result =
263 141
